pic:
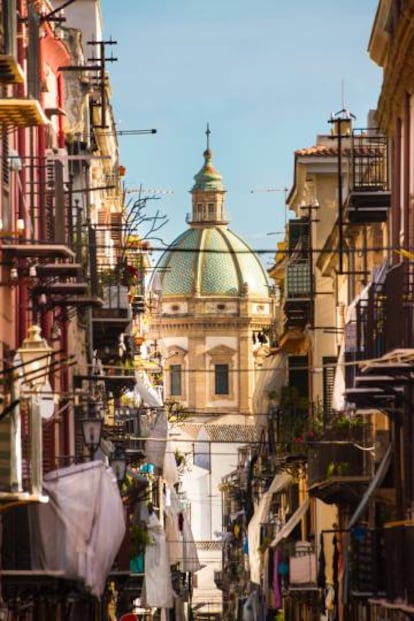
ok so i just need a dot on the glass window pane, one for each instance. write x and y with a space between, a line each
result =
175 379
221 377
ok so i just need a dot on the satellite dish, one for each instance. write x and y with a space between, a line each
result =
46 401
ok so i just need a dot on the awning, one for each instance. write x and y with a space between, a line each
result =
290 524
280 481
375 483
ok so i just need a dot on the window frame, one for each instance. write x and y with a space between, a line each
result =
176 380
218 357
222 374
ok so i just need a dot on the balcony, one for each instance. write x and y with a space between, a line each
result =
298 294
22 113
126 428
20 463
36 250
337 471
52 268
399 566
385 316
115 310
10 70
368 562
369 199
110 321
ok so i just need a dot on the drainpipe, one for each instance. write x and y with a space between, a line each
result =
21 291
61 133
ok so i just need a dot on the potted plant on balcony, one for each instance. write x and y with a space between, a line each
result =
140 538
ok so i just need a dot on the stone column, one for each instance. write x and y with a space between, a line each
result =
197 385
245 374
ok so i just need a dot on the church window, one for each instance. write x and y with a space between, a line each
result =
211 211
175 380
221 379
200 211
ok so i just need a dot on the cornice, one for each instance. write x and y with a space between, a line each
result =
188 325
398 73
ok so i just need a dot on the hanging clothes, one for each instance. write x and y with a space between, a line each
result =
270 594
277 591
265 577
345 564
69 533
251 607
157 578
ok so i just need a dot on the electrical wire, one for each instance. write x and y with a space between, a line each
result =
169 247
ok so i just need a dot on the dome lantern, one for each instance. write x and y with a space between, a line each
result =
208 192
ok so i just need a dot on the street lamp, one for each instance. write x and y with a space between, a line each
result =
118 463
36 356
92 425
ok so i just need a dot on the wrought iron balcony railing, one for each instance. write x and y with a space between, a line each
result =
369 199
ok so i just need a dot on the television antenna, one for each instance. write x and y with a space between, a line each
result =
284 190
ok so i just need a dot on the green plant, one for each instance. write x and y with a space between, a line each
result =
140 538
264 544
341 421
176 412
180 460
337 469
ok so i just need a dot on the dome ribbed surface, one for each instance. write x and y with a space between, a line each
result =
211 261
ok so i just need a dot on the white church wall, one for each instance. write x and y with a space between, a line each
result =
196 485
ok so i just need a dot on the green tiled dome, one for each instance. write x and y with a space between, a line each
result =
211 261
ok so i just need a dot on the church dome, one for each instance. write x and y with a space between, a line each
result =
208 259
211 261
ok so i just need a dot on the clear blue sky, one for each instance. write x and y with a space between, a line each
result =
266 75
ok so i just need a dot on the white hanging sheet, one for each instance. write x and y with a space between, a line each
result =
70 532
280 481
157 578
146 390
155 446
182 548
